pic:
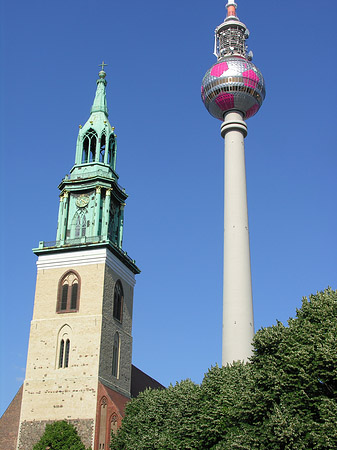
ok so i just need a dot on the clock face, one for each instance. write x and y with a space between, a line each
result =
82 200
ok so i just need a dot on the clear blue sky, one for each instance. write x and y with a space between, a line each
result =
170 160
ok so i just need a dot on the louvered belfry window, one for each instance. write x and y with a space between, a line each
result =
68 293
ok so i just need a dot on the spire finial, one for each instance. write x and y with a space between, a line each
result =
102 65
102 73
100 97
231 8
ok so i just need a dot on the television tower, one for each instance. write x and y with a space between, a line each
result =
233 90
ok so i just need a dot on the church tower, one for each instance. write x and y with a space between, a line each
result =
80 345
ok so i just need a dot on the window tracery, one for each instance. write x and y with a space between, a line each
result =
79 224
63 347
113 423
89 146
68 293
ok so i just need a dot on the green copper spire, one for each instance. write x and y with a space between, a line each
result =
91 211
96 142
100 97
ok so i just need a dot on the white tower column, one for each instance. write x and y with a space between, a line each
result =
238 321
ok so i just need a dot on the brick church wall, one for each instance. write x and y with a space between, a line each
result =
9 423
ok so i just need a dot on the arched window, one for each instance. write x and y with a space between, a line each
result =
63 347
113 424
102 148
85 151
68 293
118 301
61 355
112 149
84 225
78 226
89 146
102 424
115 356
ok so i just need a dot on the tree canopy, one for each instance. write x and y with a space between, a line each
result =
60 436
285 398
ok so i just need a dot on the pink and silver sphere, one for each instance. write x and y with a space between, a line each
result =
233 83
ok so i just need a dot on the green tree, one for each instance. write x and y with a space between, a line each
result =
60 436
295 389
161 419
285 398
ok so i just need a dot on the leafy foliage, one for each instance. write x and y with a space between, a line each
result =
285 398
60 436
151 419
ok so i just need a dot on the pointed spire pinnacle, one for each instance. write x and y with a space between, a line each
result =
231 8
100 104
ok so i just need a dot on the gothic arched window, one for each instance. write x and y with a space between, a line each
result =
84 225
113 424
78 226
102 423
118 301
112 149
85 150
102 149
115 356
68 293
63 347
89 146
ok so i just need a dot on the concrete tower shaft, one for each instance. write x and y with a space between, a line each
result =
238 320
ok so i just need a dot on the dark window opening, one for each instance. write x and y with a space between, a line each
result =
66 354
61 353
102 149
111 151
74 291
93 149
115 356
68 293
118 301
85 152
64 297
89 147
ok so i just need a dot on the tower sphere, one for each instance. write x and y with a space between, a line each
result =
233 83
